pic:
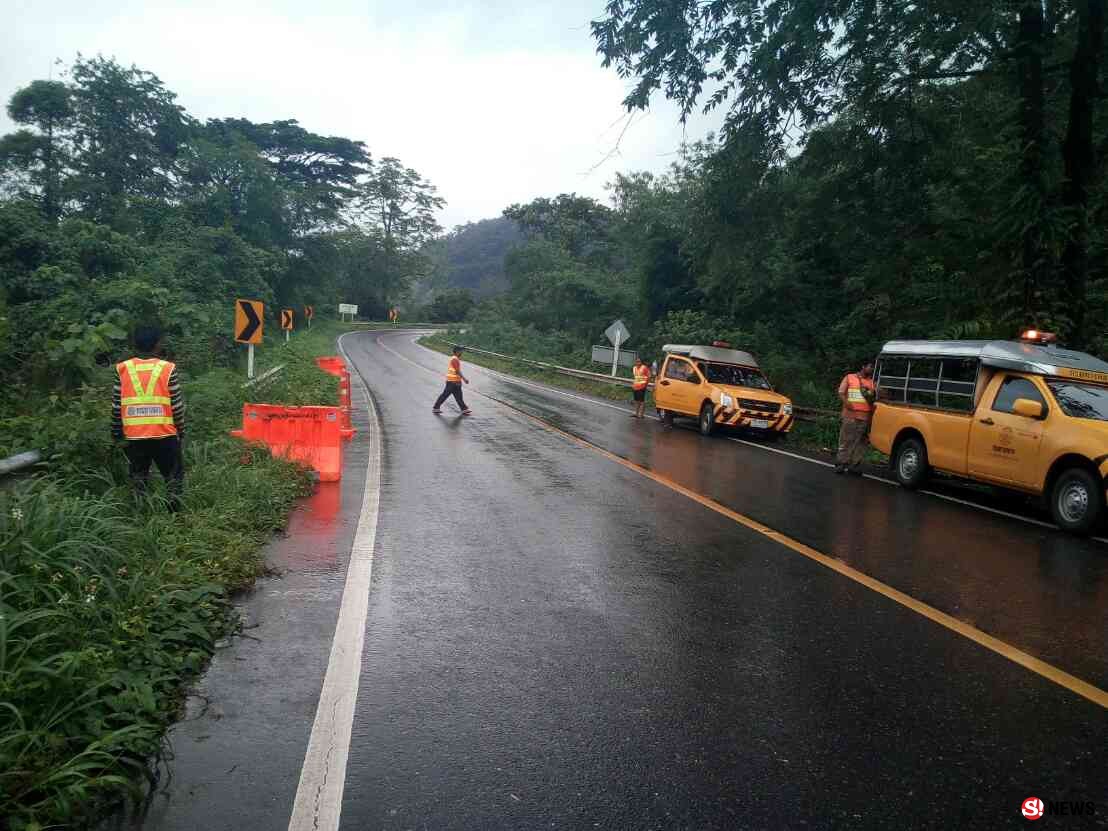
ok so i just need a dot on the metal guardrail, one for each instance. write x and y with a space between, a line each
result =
268 375
19 461
804 413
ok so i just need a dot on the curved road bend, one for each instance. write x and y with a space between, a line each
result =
559 638
555 640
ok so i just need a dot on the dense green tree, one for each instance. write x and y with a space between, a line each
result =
42 154
786 69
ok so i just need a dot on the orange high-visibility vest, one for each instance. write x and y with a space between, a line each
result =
855 398
642 377
147 408
454 370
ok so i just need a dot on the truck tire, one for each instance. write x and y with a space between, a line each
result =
666 416
909 463
1077 501
707 418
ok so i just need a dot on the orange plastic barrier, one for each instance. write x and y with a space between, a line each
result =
331 364
311 436
334 365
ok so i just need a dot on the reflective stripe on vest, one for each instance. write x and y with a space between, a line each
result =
146 410
642 377
454 371
855 399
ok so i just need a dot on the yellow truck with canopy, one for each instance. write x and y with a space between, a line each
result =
1024 415
720 387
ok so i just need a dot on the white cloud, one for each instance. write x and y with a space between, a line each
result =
493 103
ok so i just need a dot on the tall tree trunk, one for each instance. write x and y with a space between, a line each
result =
1032 125
1079 154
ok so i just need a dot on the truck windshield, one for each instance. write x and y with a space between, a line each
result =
1081 400
735 376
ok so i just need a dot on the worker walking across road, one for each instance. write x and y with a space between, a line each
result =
454 381
638 388
148 414
858 396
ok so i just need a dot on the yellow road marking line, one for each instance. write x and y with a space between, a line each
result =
1006 650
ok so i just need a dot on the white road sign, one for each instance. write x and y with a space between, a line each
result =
617 333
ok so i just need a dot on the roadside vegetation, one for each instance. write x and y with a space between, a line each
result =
118 208
109 605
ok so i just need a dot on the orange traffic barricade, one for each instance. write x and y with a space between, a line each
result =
311 436
334 365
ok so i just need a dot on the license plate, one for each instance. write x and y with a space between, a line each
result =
760 423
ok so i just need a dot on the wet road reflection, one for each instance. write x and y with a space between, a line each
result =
1036 588
555 640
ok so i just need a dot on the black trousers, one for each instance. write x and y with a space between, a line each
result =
166 455
452 388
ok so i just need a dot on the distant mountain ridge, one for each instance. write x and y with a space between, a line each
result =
472 257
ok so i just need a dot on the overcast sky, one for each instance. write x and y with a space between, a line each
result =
494 101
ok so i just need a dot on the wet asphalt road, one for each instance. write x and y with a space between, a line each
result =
556 641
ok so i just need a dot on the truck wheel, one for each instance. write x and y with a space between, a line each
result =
1077 501
707 418
910 464
666 416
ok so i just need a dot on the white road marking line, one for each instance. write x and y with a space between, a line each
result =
767 449
318 804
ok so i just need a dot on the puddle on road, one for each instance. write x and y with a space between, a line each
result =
315 527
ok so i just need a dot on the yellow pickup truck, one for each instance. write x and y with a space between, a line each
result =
1023 415
720 386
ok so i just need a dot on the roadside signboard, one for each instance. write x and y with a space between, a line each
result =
286 319
347 309
249 315
309 313
618 334
606 354
249 324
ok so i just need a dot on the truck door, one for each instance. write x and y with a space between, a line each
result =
678 382
1004 447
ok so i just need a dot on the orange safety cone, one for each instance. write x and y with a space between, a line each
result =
311 436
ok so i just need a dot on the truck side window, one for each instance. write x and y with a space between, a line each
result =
1014 388
678 370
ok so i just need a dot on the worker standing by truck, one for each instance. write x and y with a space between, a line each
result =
148 414
638 388
454 381
858 395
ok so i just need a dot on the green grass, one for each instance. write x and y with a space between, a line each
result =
109 605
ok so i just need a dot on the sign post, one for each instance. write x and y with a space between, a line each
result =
617 333
249 315
286 322
309 313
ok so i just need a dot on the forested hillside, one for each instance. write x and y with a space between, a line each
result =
471 257
116 205
879 176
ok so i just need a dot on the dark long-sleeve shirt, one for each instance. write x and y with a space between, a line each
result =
176 397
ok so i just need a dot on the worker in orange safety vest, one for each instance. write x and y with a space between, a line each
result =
454 381
148 414
638 387
858 395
